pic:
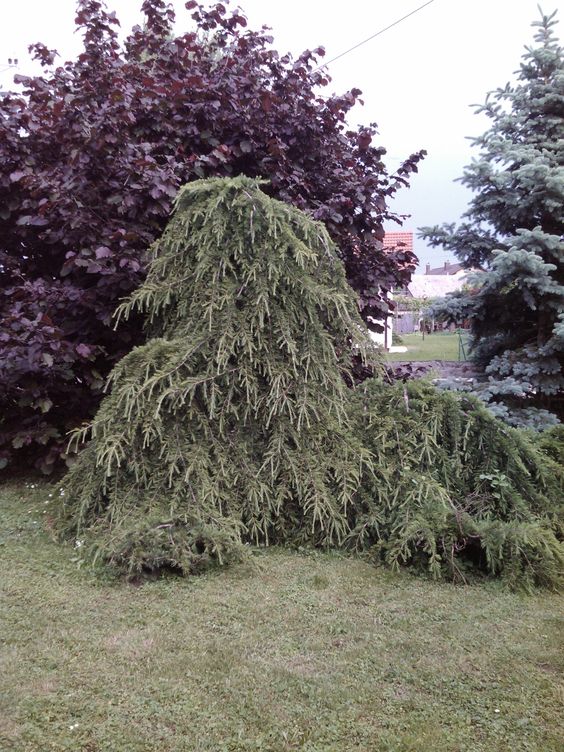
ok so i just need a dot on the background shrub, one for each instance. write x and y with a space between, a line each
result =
92 154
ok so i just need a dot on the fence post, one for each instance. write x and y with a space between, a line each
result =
461 350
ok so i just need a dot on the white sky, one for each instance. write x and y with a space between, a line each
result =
418 79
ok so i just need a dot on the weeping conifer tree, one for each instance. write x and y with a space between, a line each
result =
454 491
229 425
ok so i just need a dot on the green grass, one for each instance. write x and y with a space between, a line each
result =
306 651
431 347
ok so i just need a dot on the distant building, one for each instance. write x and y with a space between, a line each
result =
434 285
393 241
399 241
384 338
446 269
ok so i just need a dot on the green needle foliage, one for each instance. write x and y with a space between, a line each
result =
513 230
230 424
454 490
233 424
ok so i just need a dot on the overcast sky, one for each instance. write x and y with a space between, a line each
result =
418 78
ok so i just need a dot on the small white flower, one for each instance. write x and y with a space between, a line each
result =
73 726
78 543
497 710
50 495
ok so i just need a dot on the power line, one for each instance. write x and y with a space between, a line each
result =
356 46
12 63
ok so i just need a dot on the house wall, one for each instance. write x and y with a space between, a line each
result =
384 339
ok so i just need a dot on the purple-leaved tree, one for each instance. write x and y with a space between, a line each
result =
92 154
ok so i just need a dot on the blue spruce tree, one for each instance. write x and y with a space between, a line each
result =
513 230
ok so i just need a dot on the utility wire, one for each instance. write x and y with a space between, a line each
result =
395 23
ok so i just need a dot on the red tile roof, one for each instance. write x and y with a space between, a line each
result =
400 240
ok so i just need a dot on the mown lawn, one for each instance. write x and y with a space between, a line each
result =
431 347
305 651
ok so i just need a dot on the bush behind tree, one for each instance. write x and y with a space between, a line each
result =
92 153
